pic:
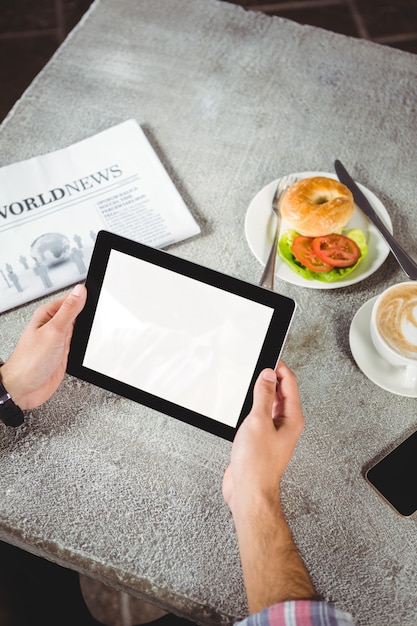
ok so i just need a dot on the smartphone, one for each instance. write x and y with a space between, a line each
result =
395 477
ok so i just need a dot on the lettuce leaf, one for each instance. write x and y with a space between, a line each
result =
284 248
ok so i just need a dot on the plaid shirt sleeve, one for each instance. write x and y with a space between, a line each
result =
299 613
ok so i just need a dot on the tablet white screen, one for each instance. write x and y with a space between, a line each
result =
177 338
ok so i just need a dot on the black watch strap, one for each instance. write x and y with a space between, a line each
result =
10 413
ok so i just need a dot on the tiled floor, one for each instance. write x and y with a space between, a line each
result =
30 32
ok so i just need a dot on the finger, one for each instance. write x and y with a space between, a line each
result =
227 485
289 395
264 393
288 385
46 312
71 305
282 369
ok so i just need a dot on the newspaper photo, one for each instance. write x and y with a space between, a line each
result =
53 205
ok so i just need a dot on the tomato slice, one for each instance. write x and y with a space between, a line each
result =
338 250
302 249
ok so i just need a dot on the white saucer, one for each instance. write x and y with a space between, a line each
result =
260 227
369 361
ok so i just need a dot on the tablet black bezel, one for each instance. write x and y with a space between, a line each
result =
283 306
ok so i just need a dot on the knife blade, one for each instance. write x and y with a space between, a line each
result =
404 260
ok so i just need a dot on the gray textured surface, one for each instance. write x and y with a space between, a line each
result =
230 100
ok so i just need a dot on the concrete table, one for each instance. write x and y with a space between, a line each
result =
230 100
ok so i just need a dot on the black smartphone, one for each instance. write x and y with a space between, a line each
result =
395 477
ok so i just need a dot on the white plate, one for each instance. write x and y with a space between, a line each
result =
368 359
260 225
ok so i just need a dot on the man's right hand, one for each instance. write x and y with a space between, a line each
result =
266 439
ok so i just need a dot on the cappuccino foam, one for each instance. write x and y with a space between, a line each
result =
396 319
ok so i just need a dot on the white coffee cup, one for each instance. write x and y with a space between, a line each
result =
394 328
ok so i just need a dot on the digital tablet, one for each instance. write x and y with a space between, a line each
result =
175 336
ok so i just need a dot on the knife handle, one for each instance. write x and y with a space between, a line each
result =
404 260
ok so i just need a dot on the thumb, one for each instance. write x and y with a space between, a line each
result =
264 392
70 308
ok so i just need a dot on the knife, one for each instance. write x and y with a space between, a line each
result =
404 260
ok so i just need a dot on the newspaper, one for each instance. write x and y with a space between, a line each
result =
52 206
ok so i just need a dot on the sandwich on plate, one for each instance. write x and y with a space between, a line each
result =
317 244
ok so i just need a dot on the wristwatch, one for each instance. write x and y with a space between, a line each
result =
10 413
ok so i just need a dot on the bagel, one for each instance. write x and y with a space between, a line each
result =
317 206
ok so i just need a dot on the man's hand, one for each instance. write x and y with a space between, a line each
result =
38 364
266 439
273 570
